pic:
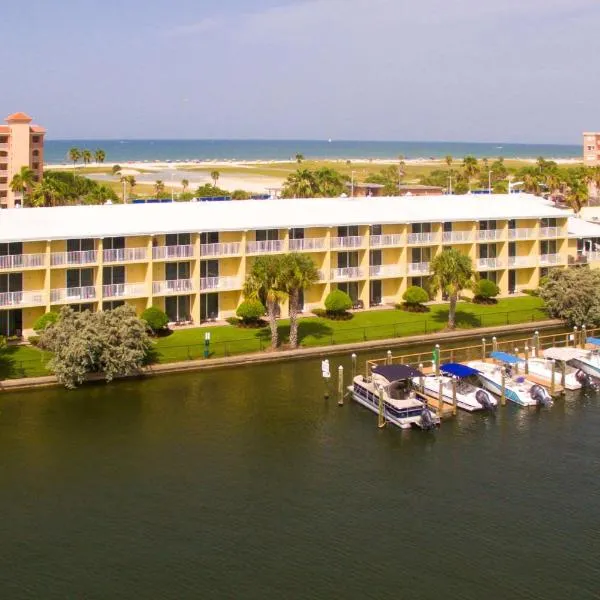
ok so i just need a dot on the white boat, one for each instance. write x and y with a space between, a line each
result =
542 369
517 388
401 406
469 396
583 360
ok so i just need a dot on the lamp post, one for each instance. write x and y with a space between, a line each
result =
490 182
352 184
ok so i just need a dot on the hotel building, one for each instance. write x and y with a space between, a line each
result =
191 259
21 144
591 149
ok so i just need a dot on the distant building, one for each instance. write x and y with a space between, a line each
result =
377 189
591 149
21 144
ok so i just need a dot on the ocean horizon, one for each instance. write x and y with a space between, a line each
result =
137 150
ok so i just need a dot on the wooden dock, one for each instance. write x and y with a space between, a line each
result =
444 412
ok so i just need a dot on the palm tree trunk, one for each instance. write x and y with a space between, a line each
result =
452 312
272 314
294 297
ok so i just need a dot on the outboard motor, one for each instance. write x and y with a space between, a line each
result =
426 420
484 399
541 396
585 380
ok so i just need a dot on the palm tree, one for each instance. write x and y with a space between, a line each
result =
471 168
86 155
452 272
116 169
299 157
297 272
159 188
263 283
185 184
300 184
448 160
22 181
215 177
99 155
45 193
130 179
74 156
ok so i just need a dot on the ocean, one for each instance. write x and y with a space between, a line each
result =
252 150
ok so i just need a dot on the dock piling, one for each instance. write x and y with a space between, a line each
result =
441 397
583 336
454 397
495 344
503 392
389 357
526 360
575 336
563 375
354 359
421 379
536 341
436 355
553 378
516 364
483 353
340 386
381 415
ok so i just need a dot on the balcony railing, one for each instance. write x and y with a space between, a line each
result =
551 259
220 283
422 238
522 233
221 249
22 261
308 244
264 246
489 263
28 298
386 271
346 273
74 294
350 241
419 268
549 232
124 290
322 277
484 235
80 257
522 261
450 237
172 252
172 286
124 254
391 239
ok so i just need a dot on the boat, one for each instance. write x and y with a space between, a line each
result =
400 403
586 362
542 369
517 388
469 396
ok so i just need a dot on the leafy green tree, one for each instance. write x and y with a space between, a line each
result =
74 156
22 182
63 187
45 193
114 343
329 182
86 156
155 318
159 188
389 177
47 319
485 291
448 160
337 303
185 184
470 168
210 191
214 175
250 311
301 184
299 158
452 272
116 169
414 298
240 195
100 155
461 184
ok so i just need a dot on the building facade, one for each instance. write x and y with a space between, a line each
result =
591 149
191 259
21 144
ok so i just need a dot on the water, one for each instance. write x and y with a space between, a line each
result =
140 150
246 483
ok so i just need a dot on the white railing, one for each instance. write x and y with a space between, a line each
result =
307 244
551 259
457 236
265 246
350 241
74 294
29 298
118 290
346 273
322 276
385 271
489 234
169 252
420 268
22 261
549 232
522 233
80 257
489 263
124 254
391 239
421 238
522 261
592 256
220 249
172 286
220 283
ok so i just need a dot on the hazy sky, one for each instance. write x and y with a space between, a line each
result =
474 70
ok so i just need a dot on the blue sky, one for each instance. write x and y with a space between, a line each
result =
474 70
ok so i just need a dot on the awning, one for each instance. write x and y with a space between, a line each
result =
458 370
395 372
593 340
505 357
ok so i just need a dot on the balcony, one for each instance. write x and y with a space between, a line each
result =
321 274
346 273
172 286
522 261
124 290
22 261
457 237
381 241
125 255
350 241
381 271
172 252
220 284
74 294
550 232
229 249
489 264
22 299
422 238
267 246
82 257
420 268
486 235
308 245
551 259
522 233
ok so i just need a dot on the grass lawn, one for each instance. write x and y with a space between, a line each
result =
23 361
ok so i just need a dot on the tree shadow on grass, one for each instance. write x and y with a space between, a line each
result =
463 319
315 329
13 368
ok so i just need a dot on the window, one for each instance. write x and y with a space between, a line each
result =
420 255
35 139
35 166
113 275
209 307
82 307
488 251
297 233
544 272
447 227
347 259
489 225
36 153
376 229
267 235
209 268
375 293
178 239
112 304
77 245
11 282
78 278
347 231
492 276
11 248
375 258
209 237
512 249
11 322
177 270
548 223
178 308
512 224
420 228
114 243
548 247
351 288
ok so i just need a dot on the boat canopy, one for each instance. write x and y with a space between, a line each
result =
562 354
458 370
593 340
505 357
395 372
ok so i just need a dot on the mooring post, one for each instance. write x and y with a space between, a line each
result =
441 397
437 360
483 349
503 393
536 337
526 360
326 376
583 336
553 377
354 359
563 375
340 386
421 379
381 415
495 344
516 364
389 357
575 336
454 397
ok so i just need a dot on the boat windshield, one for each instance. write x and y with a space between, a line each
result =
399 390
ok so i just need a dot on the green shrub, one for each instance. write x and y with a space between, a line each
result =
45 320
319 312
337 303
34 340
485 292
233 321
250 311
155 318
414 298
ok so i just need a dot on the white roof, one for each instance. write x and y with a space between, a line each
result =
64 222
563 354
578 228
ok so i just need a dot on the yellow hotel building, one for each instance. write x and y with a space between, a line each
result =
191 258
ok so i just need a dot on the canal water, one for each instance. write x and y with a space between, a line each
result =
247 483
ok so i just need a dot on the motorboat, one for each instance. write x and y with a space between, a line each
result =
470 395
586 362
392 386
542 369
